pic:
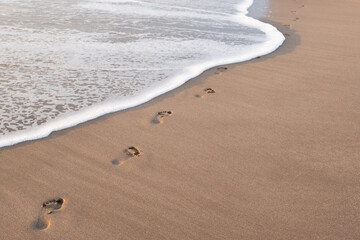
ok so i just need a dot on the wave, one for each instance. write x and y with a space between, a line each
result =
138 51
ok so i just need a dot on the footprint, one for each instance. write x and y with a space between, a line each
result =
206 91
133 151
286 35
221 69
47 208
289 26
297 19
293 12
160 116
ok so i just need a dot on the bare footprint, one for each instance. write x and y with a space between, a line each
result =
289 26
297 19
47 208
221 69
133 151
206 91
160 116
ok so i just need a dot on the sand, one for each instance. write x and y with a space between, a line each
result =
274 153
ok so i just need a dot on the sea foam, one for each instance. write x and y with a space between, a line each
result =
66 62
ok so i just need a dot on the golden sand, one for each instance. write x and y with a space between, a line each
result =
274 153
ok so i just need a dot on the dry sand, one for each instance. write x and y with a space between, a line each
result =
273 154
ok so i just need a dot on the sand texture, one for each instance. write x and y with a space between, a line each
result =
272 153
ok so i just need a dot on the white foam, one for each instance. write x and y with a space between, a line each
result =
144 10
116 103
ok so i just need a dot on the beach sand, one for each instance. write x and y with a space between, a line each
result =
274 153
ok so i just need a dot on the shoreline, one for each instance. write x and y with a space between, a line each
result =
69 120
272 154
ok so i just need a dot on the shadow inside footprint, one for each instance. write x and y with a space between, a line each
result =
47 208
160 115
209 90
53 204
133 151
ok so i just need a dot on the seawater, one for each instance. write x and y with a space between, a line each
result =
63 62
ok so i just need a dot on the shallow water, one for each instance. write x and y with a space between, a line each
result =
67 61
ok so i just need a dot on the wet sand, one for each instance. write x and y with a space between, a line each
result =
271 153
